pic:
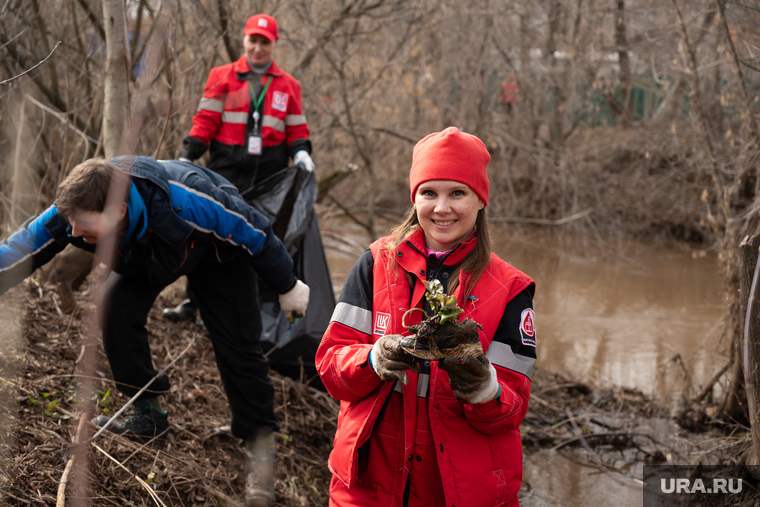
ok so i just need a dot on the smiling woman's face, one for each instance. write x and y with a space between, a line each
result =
447 211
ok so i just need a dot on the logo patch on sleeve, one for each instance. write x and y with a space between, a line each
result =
381 323
528 327
280 101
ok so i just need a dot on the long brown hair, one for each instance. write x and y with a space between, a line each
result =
474 264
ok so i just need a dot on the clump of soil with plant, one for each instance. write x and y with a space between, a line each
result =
441 334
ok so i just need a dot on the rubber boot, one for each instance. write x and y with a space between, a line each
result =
262 461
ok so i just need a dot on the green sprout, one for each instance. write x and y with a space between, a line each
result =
48 405
444 307
441 304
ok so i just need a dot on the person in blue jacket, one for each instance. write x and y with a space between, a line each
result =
174 218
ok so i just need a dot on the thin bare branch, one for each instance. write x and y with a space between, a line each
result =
31 69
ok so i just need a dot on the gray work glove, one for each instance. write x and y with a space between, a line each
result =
473 378
389 360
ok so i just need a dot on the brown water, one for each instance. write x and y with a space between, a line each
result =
620 320
614 314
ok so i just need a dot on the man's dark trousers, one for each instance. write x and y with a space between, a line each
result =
228 299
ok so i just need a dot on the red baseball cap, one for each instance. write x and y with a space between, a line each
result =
262 24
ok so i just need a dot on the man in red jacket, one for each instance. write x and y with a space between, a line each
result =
251 119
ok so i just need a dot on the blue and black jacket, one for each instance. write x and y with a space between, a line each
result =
180 215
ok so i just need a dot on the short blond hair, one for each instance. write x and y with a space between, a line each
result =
86 187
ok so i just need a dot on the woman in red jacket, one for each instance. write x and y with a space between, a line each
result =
435 433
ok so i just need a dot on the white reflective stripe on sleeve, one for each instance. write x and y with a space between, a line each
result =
295 119
25 257
501 354
274 123
214 105
230 117
353 317
398 387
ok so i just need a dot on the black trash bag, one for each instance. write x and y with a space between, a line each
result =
287 199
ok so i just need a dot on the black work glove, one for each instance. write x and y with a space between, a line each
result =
389 360
473 378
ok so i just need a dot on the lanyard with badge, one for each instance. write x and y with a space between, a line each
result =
254 140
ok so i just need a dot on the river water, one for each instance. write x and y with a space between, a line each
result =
607 312
620 315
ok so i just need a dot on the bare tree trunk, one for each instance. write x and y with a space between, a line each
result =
116 106
136 31
93 18
483 108
702 122
749 118
751 350
224 23
621 41
42 27
555 126
19 185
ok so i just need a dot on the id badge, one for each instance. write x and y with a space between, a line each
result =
254 145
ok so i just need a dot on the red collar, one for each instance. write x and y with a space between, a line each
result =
412 250
241 67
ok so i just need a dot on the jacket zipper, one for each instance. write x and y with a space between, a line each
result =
440 263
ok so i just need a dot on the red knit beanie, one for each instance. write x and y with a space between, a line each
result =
451 155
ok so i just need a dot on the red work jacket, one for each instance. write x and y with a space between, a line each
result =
224 109
475 451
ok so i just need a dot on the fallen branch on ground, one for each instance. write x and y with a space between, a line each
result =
61 497
543 221
144 484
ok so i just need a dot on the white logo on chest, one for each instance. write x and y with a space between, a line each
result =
280 101
381 323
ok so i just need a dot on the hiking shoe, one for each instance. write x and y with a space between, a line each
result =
143 422
183 311
262 460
